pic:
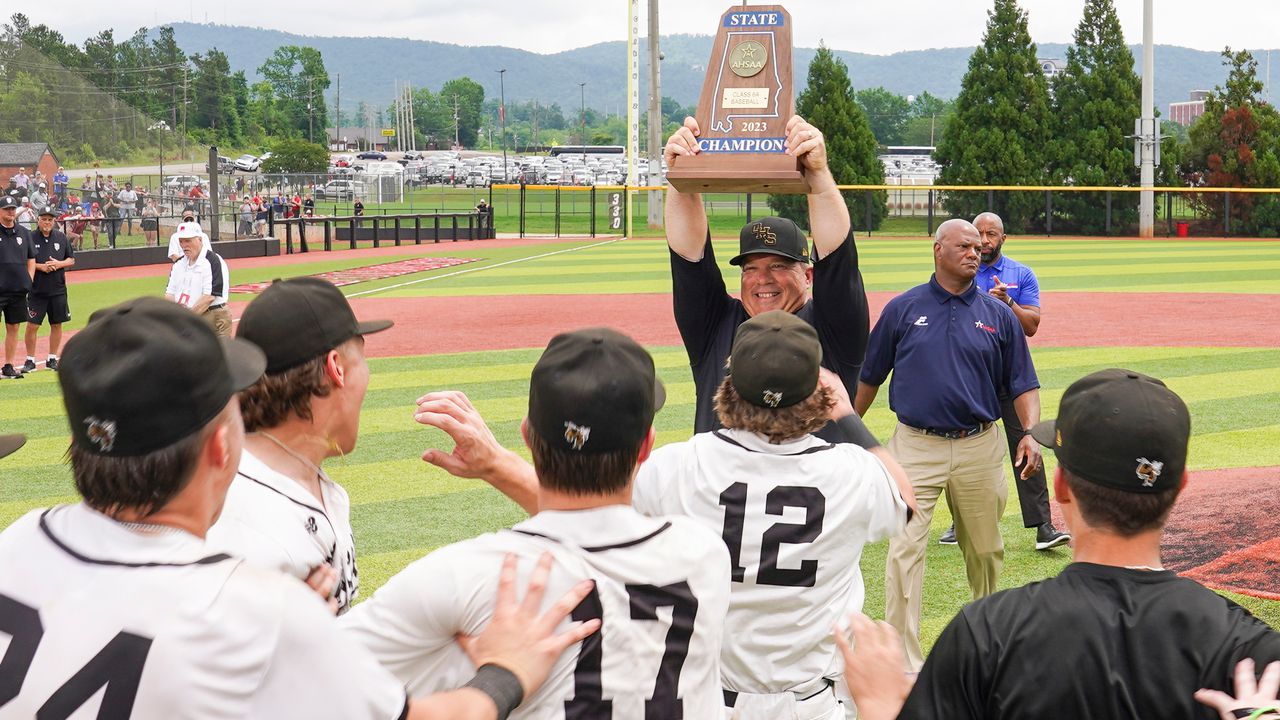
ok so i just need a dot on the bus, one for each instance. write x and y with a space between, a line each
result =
587 150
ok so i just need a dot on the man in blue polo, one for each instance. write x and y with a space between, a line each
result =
1014 284
953 352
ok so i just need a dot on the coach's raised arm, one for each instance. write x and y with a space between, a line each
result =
778 273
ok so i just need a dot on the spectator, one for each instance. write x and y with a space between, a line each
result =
127 200
308 205
27 215
111 215
151 223
39 197
73 224
175 246
48 288
96 218
22 179
15 190
246 218
86 193
60 184
260 213
191 278
110 185
358 208
295 206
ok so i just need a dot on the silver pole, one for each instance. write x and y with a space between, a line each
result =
655 118
1146 200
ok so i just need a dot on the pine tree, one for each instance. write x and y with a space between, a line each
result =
1095 101
998 132
828 104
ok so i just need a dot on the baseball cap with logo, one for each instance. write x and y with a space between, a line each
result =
8 202
772 236
48 210
1120 429
189 230
147 373
300 318
595 391
774 360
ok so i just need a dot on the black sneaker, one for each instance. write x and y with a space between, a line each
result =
8 373
51 363
948 537
1047 536
29 365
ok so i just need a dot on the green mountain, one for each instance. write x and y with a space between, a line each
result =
369 67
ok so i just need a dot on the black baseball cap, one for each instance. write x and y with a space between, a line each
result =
48 210
10 443
774 360
772 236
595 390
8 202
1120 429
147 373
300 318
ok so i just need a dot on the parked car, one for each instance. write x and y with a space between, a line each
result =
224 165
371 155
341 160
181 183
336 190
248 163
475 178
412 155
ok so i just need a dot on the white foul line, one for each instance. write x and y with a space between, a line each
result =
483 267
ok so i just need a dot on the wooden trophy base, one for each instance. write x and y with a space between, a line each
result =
777 174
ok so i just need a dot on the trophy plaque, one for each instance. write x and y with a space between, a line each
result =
747 98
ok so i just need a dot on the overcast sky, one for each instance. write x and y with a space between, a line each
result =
548 26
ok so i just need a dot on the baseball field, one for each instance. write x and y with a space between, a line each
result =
1203 314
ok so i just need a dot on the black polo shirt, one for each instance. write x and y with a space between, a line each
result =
951 356
54 247
15 250
1097 641
708 316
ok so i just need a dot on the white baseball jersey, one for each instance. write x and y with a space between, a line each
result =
190 281
794 517
273 522
662 585
168 629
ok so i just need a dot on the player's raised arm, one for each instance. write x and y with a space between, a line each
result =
686 220
828 215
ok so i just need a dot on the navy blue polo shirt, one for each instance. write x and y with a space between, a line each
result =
951 355
15 251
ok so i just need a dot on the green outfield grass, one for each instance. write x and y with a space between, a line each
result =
403 508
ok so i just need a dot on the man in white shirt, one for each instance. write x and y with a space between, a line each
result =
662 584
191 278
128 200
114 607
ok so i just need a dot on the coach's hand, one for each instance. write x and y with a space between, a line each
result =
843 406
807 143
1028 457
874 667
476 451
683 142
1251 693
521 640
322 580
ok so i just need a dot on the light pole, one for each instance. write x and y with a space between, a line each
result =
582 119
502 118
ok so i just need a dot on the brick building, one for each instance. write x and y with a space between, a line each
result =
1185 113
32 156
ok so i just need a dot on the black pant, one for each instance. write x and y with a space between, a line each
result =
1033 493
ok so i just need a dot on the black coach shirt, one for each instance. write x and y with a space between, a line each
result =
952 357
54 247
15 250
708 316
1094 642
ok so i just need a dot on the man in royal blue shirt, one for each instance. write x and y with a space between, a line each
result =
1014 284
953 351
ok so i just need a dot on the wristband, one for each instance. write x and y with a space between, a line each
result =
501 685
855 431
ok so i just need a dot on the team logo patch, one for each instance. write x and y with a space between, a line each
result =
56 246
772 399
1149 471
762 232
922 321
311 524
983 326
576 435
101 433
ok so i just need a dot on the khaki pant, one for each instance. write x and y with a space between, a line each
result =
971 472
220 320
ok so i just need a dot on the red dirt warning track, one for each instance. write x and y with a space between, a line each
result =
1073 319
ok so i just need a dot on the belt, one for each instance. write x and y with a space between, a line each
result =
955 433
215 307
731 696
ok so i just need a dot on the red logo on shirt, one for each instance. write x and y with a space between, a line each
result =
983 326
